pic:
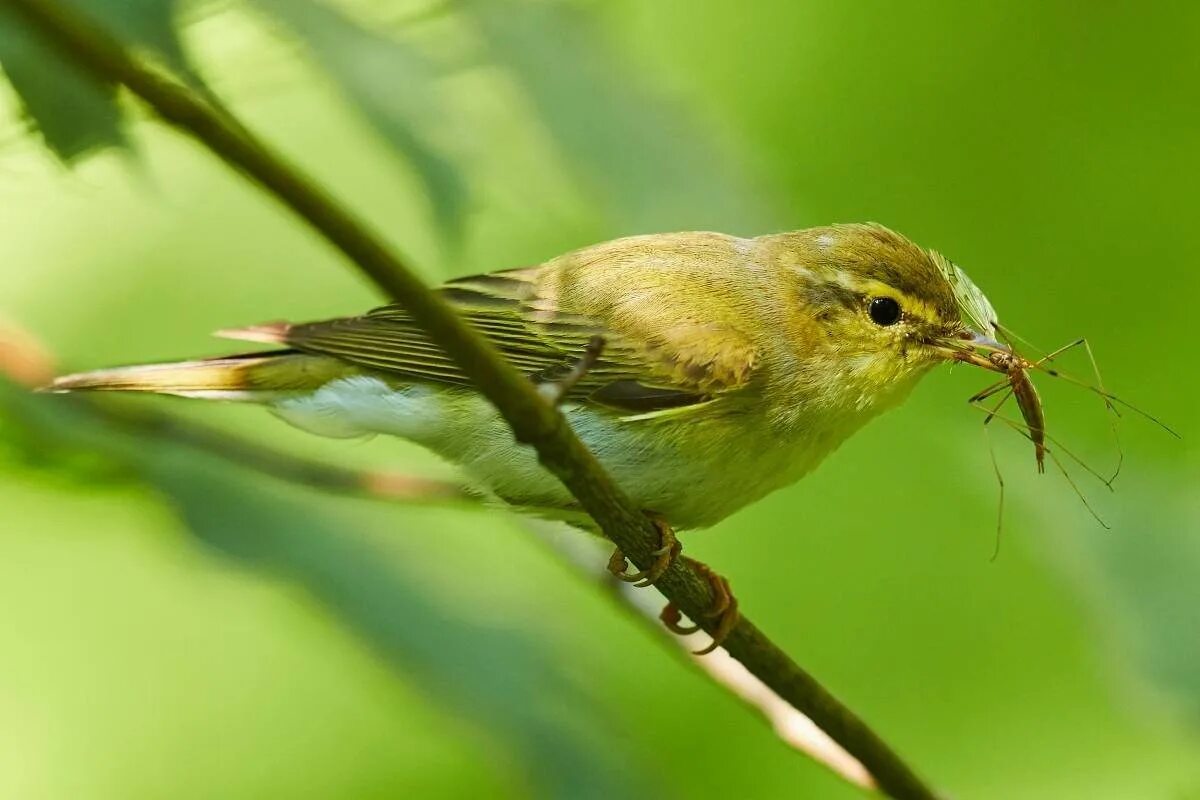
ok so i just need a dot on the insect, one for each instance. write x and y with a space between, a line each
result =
1018 384
1029 401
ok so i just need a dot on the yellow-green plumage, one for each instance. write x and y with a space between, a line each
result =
731 366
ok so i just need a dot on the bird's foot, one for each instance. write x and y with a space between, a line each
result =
724 609
663 557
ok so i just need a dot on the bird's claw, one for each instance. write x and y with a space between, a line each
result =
664 556
724 609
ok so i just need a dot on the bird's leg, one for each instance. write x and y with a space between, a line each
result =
724 609
663 556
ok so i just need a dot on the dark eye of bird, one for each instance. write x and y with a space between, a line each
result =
884 311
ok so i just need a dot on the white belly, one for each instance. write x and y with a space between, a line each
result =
692 477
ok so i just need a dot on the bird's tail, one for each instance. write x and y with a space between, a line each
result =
253 377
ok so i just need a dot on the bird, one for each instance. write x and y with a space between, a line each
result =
716 369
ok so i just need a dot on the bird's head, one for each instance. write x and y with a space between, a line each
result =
876 312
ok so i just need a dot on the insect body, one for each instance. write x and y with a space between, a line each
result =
1019 385
1028 400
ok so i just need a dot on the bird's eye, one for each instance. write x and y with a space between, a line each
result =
884 311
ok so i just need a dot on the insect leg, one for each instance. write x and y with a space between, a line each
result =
1098 388
977 401
1024 431
984 394
1000 504
1074 486
1110 399
1078 493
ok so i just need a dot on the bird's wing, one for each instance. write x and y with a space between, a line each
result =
684 366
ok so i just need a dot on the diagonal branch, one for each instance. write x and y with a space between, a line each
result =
534 422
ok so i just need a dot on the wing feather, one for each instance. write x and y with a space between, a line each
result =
543 341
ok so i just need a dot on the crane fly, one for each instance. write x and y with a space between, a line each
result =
1004 358
1020 386
1016 370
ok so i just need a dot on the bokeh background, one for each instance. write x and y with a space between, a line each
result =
177 626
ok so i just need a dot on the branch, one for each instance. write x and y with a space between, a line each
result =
793 728
533 421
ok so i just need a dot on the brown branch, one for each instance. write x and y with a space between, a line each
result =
533 421
793 728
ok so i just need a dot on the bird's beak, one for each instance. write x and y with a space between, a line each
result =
970 347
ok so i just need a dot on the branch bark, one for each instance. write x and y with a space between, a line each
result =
534 421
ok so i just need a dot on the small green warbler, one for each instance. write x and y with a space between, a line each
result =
731 366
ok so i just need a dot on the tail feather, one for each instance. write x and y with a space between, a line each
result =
250 377
267 333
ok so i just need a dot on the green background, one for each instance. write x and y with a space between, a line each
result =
176 627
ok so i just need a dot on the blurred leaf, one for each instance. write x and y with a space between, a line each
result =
503 679
76 113
392 85
499 677
645 155
33 433
148 24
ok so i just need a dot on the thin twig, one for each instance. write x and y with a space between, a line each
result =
555 391
533 421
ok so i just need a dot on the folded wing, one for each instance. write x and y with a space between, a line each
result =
683 368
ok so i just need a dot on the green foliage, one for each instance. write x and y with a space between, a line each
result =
651 166
500 677
74 113
149 25
393 85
